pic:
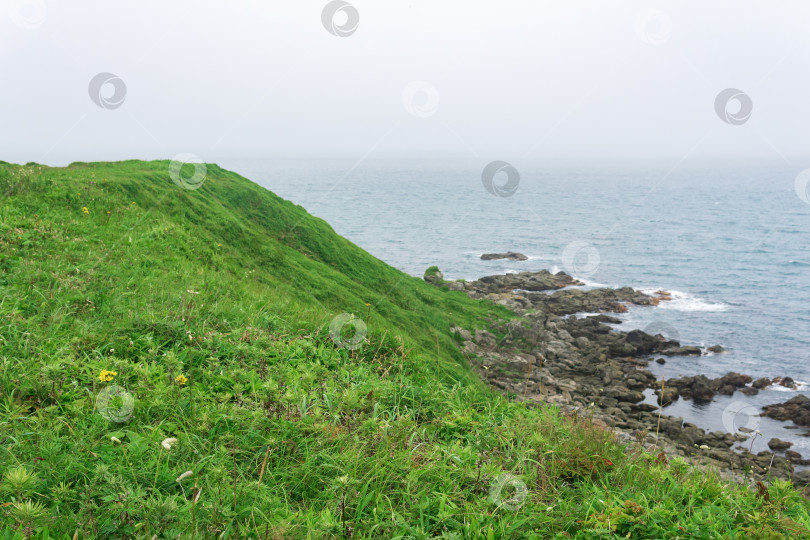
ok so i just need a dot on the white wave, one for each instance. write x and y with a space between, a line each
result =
682 301
800 385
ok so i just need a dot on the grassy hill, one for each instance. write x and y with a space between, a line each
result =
168 370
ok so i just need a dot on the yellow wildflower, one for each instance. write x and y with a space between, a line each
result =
85 211
106 375
181 379
133 202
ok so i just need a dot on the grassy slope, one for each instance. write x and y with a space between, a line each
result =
287 434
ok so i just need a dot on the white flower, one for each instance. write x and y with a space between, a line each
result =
167 443
115 439
184 476
704 447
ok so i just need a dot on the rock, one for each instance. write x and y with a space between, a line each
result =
434 276
660 361
787 382
801 478
697 388
668 396
729 382
688 350
778 444
602 318
796 409
726 390
527 281
484 338
716 349
455 285
761 383
509 255
749 391
796 458
592 301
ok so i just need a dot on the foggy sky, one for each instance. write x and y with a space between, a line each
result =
517 81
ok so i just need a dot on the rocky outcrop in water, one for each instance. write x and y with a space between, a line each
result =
585 366
796 409
509 255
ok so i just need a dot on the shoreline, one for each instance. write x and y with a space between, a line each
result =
552 354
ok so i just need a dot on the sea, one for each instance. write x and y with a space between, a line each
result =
730 240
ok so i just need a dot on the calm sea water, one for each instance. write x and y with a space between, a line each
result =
732 242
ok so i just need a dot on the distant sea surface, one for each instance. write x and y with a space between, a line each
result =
731 242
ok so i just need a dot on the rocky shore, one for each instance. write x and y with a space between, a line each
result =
549 354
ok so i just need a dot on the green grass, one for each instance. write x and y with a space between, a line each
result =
286 434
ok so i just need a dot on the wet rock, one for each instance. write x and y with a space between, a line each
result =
726 390
730 382
688 350
660 361
778 445
509 255
761 383
796 409
667 396
697 388
787 382
602 318
593 301
749 391
527 281
716 349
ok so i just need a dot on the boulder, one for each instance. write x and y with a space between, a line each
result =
730 382
777 445
434 276
697 388
509 255
761 383
668 396
796 409
527 281
787 382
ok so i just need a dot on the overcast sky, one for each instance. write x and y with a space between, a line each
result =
419 78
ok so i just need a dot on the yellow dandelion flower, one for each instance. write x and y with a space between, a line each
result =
181 379
133 203
106 375
85 211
